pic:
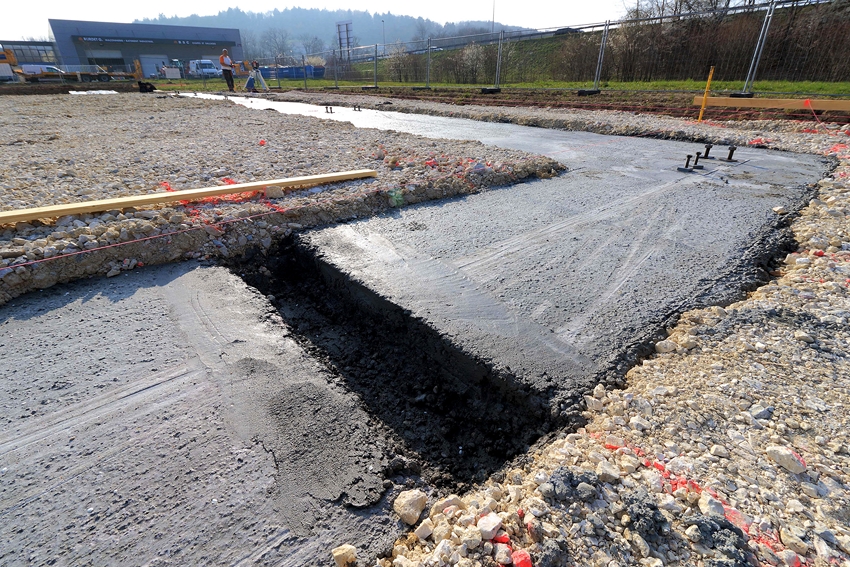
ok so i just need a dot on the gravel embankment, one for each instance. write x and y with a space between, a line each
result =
729 447
63 149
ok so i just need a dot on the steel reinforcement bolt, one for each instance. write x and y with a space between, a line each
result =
731 151
707 150
688 161
696 162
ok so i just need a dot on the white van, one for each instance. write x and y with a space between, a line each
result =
203 68
38 73
39 69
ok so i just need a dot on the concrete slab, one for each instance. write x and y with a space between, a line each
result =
564 281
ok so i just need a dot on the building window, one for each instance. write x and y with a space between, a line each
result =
33 53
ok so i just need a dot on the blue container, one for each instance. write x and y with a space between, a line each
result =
293 73
297 72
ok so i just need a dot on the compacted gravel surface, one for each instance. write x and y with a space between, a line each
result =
728 447
62 149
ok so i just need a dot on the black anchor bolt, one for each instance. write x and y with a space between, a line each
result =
696 162
707 150
731 151
687 167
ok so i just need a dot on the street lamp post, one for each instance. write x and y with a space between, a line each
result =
384 35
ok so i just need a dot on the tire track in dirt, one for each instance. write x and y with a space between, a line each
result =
97 419
160 385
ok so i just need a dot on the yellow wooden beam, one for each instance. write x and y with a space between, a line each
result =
172 196
788 103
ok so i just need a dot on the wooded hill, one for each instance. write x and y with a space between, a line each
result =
313 30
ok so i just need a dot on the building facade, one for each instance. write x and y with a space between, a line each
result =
116 46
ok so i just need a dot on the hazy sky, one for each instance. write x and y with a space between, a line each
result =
20 20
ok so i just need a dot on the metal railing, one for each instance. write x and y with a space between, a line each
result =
82 68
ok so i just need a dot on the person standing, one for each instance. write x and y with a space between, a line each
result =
226 68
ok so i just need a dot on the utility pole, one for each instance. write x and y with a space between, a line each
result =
428 67
754 64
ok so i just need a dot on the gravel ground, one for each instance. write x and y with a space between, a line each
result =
63 149
729 447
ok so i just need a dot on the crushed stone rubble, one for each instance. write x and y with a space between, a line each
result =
60 149
728 447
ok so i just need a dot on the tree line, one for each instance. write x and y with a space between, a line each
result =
293 32
662 40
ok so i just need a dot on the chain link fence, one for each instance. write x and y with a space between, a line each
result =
801 42
797 41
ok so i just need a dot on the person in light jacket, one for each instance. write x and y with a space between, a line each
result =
226 68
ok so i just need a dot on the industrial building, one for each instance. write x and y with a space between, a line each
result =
116 46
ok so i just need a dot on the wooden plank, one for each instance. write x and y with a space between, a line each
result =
789 103
172 196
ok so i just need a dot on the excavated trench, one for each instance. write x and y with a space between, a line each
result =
458 419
